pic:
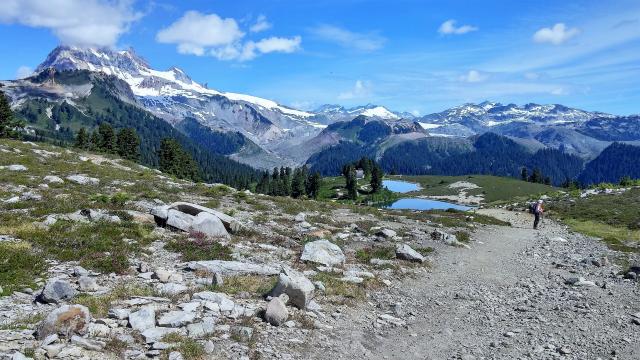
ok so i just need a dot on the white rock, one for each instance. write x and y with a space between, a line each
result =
52 179
16 167
143 319
405 252
323 252
233 267
83 180
221 299
202 329
152 335
176 318
299 289
276 313
209 224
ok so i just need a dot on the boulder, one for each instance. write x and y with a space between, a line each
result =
225 268
276 313
301 217
67 320
209 224
179 220
166 276
171 289
56 290
323 252
83 180
299 289
143 319
405 252
162 213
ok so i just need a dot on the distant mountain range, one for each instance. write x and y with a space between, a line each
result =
262 133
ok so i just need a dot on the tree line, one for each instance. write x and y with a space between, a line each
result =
284 181
125 143
535 176
10 127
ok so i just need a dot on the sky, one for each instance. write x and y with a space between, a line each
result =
419 56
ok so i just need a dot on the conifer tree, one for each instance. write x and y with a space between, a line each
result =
9 125
297 183
376 178
313 188
175 161
263 185
107 138
94 141
82 139
351 181
524 174
128 144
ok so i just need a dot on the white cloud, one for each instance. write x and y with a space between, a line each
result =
195 32
531 76
555 35
474 76
74 22
449 27
23 72
261 25
209 34
559 91
361 89
250 49
348 39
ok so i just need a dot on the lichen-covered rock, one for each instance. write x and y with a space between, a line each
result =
56 290
66 320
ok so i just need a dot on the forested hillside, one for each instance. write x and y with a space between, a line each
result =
614 163
106 104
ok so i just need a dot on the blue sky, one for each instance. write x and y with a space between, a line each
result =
409 55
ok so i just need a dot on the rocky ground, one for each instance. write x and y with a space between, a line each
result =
233 275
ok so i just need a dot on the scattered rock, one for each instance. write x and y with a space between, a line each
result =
387 233
176 318
87 283
88 344
15 167
143 319
52 179
233 267
209 224
221 299
323 252
276 313
55 291
83 180
301 217
405 252
299 289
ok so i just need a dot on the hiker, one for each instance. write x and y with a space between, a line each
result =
538 211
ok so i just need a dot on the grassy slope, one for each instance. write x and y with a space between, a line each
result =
613 217
494 188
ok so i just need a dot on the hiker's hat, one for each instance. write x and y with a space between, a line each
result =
540 201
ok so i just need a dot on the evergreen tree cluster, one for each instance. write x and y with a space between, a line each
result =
125 143
285 182
535 177
372 172
10 126
174 160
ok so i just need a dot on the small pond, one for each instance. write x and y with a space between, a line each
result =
400 186
424 204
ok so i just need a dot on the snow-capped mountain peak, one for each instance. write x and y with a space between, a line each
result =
145 81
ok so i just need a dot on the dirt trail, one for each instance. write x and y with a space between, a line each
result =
505 298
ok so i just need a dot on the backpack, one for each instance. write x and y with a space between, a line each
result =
532 207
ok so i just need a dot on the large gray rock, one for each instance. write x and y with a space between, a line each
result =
179 220
323 252
143 319
87 283
405 252
299 289
15 167
209 224
233 267
276 313
176 318
83 180
67 320
162 213
56 290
